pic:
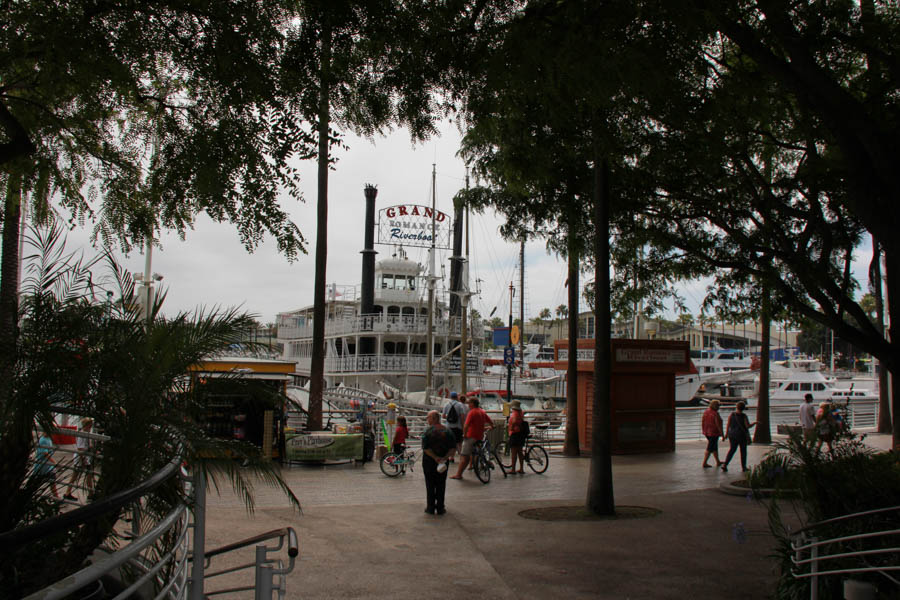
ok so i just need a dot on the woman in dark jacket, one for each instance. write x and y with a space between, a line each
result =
738 433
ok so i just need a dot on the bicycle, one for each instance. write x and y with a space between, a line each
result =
394 464
536 456
483 458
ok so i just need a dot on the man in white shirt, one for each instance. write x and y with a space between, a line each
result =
808 418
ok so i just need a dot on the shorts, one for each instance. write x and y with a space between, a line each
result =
468 446
712 443
457 434
517 440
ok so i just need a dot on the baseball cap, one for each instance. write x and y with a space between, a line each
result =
454 395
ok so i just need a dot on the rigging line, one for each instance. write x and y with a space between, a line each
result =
496 265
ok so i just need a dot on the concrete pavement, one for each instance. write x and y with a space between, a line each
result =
364 535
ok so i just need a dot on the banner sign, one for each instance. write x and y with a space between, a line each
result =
411 225
583 354
454 363
650 355
323 446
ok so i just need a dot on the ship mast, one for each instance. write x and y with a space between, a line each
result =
429 357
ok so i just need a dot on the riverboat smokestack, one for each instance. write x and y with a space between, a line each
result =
367 292
456 262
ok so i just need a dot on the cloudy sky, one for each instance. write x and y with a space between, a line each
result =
211 267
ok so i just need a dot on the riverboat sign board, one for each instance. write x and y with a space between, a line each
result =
411 225
323 446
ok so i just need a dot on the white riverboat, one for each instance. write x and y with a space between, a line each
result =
395 333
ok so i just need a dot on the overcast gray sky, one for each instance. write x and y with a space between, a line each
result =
211 267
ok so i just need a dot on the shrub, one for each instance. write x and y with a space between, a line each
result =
851 478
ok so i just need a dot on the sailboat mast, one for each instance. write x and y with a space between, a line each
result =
429 356
522 306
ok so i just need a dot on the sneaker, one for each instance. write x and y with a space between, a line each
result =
442 511
430 511
724 468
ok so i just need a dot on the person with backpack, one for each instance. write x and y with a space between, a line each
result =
454 413
518 432
738 433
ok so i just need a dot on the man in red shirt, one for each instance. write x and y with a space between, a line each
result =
473 431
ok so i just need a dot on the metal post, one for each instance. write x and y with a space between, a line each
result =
814 569
199 553
264 575
509 367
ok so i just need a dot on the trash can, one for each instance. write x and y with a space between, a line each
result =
368 447
496 435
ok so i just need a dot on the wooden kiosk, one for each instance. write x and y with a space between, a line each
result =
642 392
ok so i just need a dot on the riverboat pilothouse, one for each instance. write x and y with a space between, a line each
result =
377 333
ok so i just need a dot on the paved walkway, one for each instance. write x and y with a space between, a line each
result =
363 535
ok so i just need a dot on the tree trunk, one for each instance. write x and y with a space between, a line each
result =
15 437
572 445
600 498
884 398
9 272
763 433
892 277
317 366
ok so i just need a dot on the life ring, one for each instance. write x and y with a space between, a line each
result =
388 394
443 392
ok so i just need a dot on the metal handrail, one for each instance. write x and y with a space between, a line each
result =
803 544
293 547
12 540
107 563
264 567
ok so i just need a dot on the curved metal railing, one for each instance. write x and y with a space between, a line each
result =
154 562
820 553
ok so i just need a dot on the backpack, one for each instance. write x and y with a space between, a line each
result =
525 428
452 415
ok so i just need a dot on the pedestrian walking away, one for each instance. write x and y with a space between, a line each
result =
438 444
738 433
825 425
44 465
82 462
712 429
454 413
808 418
473 431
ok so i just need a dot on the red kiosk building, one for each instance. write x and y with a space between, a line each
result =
642 392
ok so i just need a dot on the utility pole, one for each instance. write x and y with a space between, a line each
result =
509 365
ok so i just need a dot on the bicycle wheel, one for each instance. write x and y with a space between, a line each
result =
482 468
500 464
389 464
538 459
503 455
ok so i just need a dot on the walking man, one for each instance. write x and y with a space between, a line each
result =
438 443
473 431
808 418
